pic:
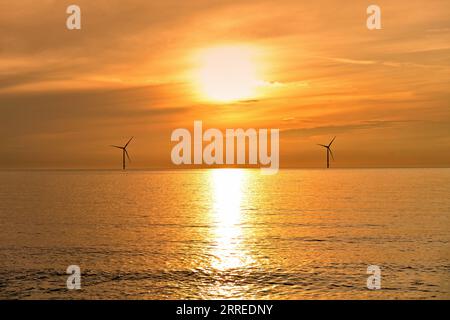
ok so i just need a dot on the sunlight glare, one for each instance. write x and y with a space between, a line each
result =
227 74
228 189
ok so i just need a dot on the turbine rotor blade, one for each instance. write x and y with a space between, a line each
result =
116 147
332 141
331 152
322 145
126 152
128 142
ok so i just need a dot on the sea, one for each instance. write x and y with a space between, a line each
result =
225 234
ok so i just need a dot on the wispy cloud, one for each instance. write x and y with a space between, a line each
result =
342 128
350 61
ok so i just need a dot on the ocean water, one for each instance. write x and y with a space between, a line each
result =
221 234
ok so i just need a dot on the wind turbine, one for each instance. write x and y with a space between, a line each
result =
328 147
124 152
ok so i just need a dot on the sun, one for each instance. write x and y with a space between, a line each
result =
227 73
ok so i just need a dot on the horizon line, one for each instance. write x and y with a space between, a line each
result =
217 168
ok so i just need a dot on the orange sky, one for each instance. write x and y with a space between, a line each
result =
132 70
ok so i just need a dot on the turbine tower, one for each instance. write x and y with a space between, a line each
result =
328 147
124 152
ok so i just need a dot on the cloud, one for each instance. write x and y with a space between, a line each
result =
351 61
339 129
77 110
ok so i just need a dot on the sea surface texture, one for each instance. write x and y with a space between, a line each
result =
225 234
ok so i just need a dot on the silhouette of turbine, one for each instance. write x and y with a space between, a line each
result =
328 147
124 152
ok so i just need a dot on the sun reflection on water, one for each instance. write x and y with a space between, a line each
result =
228 186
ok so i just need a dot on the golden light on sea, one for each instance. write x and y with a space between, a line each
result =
228 192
